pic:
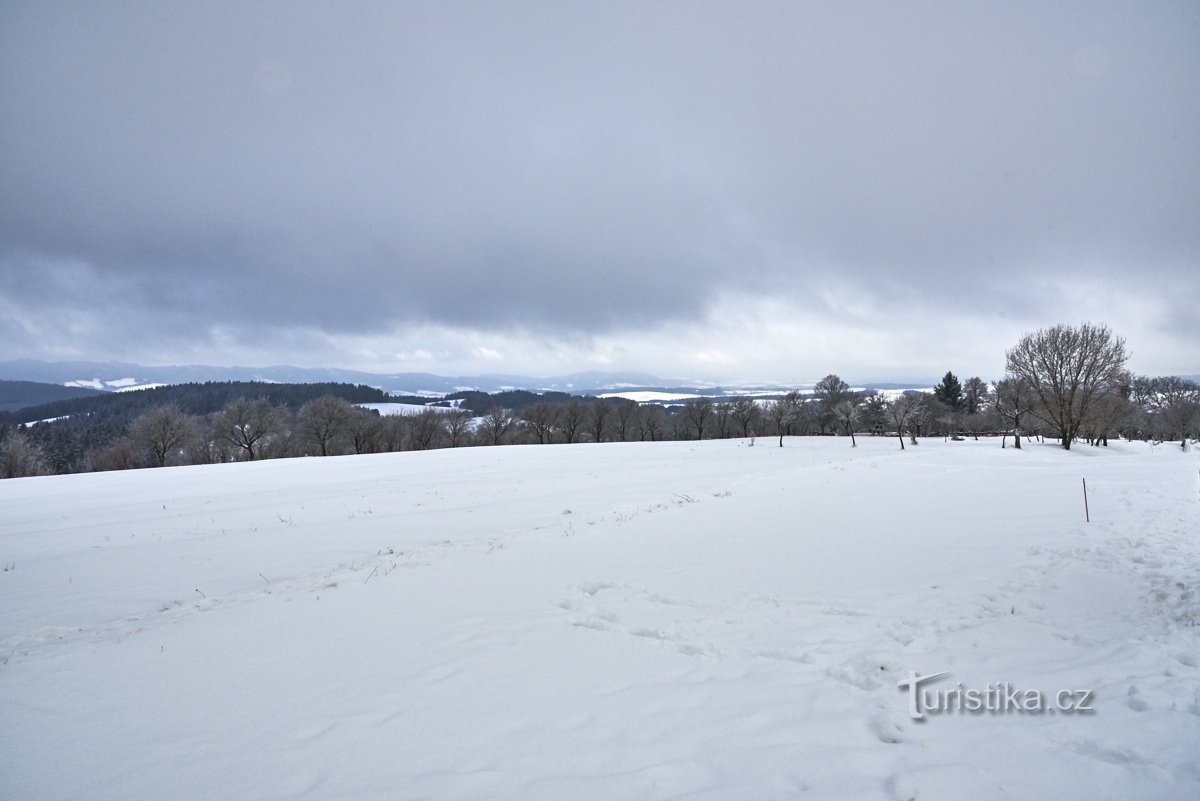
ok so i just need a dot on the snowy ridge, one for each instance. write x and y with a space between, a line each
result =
663 620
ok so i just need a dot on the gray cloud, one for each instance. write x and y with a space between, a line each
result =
586 169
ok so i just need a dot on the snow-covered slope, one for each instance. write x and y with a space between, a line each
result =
654 621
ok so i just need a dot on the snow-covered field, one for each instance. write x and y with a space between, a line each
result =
407 409
636 621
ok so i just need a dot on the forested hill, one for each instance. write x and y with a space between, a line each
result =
15 395
200 399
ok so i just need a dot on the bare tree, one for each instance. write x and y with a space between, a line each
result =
651 420
598 420
784 413
164 430
839 403
723 419
1068 369
1172 405
1012 400
323 419
247 424
494 425
903 410
20 457
625 413
457 422
541 418
376 433
571 419
745 413
1108 412
424 429
120 454
696 414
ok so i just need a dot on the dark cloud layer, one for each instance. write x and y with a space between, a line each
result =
587 168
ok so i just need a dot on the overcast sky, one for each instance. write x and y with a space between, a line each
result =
724 191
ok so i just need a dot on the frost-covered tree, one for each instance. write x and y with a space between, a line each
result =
1012 401
904 411
838 404
20 457
784 413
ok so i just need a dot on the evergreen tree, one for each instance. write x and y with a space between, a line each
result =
949 392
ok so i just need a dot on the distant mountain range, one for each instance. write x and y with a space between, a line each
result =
122 376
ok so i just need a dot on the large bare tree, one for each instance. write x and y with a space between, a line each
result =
496 424
571 419
1068 369
458 425
164 430
323 419
247 424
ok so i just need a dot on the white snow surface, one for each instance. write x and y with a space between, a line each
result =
407 409
650 396
622 621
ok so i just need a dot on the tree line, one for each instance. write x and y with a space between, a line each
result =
1064 383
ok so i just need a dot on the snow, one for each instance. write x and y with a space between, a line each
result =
646 620
650 396
387 409
139 387
115 385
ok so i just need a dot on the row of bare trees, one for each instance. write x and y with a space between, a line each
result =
1065 383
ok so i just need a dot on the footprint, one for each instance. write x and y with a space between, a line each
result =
885 729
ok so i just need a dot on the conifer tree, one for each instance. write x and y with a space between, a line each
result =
949 392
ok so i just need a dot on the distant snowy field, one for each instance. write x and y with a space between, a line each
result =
627 621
